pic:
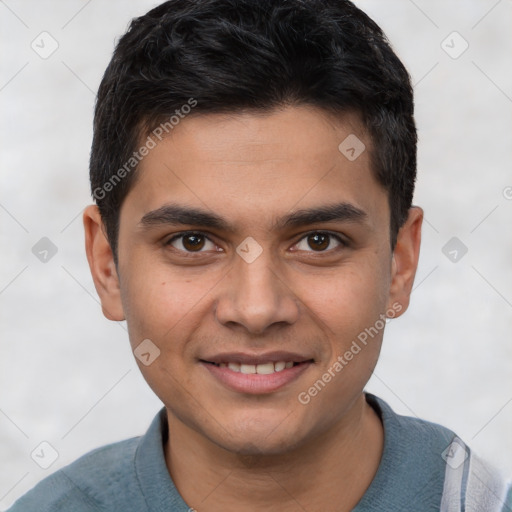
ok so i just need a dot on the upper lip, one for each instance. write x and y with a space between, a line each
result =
246 358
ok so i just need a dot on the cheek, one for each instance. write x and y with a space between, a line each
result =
350 307
166 310
351 310
350 298
159 304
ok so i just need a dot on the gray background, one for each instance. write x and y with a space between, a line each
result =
67 375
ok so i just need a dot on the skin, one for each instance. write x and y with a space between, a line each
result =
266 451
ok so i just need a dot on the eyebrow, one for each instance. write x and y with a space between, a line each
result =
174 214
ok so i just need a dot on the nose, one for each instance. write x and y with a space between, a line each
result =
255 297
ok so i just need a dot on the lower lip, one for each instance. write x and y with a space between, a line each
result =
254 383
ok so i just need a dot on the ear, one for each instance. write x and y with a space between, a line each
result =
101 263
405 261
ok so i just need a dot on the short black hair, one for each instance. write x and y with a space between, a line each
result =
218 56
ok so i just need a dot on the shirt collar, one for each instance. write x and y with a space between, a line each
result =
156 484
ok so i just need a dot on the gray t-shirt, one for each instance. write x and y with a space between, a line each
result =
424 467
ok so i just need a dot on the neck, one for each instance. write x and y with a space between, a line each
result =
333 470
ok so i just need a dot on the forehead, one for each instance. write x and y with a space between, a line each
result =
250 168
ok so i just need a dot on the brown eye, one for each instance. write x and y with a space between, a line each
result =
193 242
190 242
319 241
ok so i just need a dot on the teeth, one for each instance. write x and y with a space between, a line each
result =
247 368
260 369
234 366
265 369
280 366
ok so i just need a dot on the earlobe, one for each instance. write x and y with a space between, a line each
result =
102 265
405 259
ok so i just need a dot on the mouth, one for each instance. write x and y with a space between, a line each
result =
256 374
259 369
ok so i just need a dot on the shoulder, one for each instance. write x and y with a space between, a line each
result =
480 486
415 437
101 477
441 463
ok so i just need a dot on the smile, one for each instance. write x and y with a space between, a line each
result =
260 369
253 377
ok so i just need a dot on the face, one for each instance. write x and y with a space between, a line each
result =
255 256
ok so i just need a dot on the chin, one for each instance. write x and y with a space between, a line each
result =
253 448
263 439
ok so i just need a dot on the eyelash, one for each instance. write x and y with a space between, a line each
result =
338 238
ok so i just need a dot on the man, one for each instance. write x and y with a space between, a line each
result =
253 165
